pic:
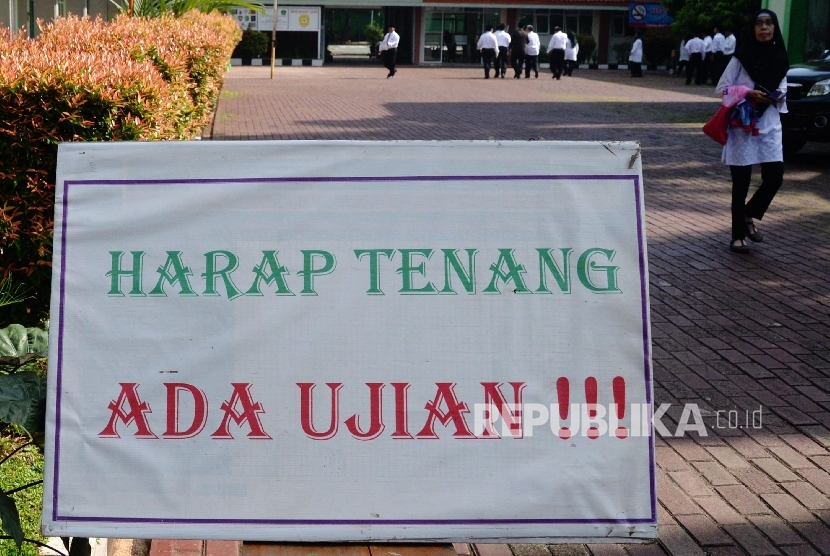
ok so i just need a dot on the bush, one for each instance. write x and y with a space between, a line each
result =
622 50
587 48
253 45
89 80
657 46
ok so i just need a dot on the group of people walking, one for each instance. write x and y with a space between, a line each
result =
706 56
521 47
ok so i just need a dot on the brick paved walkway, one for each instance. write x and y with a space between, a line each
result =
730 332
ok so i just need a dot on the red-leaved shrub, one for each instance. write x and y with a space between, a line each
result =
132 79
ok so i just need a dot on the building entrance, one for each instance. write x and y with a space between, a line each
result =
451 34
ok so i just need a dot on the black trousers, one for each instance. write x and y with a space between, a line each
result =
517 61
705 69
557 62
388 58
487 57
501 62
693 68
636 69
531 62
772 176
718 66
569 67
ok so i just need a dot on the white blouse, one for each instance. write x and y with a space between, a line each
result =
636 55
745 149
571 51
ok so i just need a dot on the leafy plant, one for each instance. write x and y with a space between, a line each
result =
11 292
587 48
90 80
22 403
622 49
253 45
177 8
374 34
658 45
692 15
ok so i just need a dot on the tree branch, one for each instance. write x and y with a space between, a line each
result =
14 452
24 487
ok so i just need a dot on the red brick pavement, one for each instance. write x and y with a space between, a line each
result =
730 332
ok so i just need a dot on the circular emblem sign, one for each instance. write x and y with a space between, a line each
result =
305 20
639 12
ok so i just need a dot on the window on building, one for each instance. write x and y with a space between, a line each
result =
620 27
586 23
542 24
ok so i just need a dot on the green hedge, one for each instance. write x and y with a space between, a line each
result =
89 80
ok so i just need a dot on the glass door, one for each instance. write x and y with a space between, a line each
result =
433 40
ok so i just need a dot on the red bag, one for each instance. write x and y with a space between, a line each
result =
716 127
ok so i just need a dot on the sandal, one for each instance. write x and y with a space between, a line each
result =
739 246
752 232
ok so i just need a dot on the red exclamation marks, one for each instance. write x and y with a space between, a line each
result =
591 401
619 399
563 391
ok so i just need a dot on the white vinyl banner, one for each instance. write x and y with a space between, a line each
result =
340 340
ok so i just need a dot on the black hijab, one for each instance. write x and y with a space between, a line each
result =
765 62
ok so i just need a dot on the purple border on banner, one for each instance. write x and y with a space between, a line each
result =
646 354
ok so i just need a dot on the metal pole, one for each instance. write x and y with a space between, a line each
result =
12 20
274 40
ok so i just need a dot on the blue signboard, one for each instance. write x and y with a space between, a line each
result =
641 14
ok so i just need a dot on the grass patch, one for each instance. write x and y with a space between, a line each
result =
24 467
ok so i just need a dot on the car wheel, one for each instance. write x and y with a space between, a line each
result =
793 144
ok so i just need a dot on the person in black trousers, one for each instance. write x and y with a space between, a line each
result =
388 49
518 40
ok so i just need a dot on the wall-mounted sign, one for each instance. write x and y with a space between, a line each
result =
290 18
345 340
648 15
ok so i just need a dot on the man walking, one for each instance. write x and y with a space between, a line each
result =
503 40
518 41
718 43
532 53
488 46
728 47
556 49
388 49
694 47
706 62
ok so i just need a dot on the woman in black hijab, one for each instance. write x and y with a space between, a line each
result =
760 64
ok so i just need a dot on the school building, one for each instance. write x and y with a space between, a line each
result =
435 32
428 28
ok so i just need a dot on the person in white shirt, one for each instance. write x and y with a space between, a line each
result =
760 64
694 47
388 49
532 52
682 58
488 46
635 57
718 66
728 46
503 39
571 53
556 51
706 62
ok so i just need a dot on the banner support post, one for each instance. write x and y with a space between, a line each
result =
274 39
